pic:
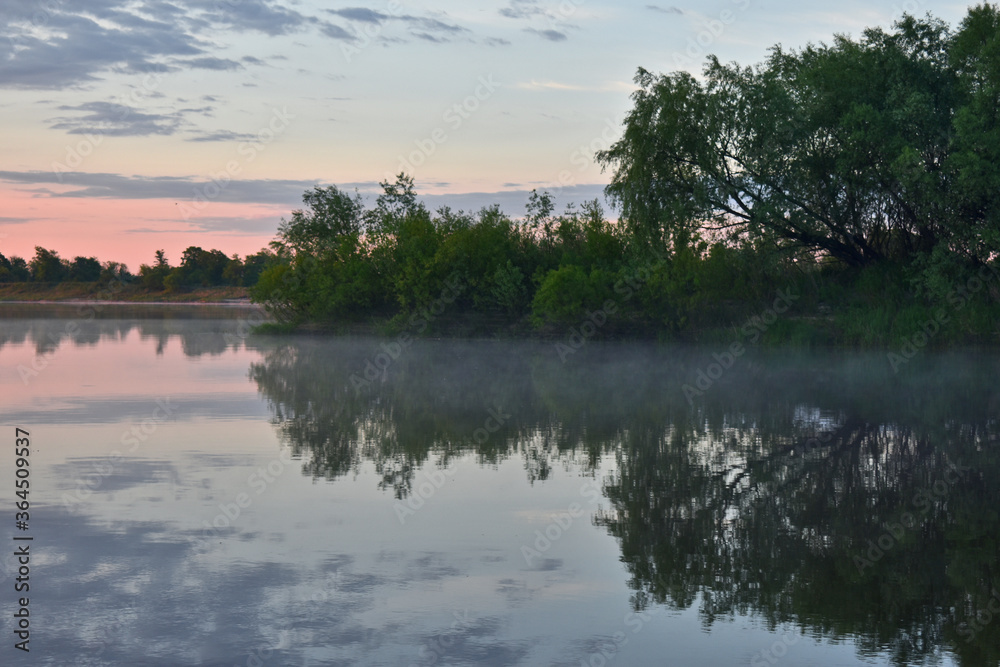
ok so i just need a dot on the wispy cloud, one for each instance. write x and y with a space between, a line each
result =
221 135
116 186
522 9
549 34
116 120
665 10
362 14
613 86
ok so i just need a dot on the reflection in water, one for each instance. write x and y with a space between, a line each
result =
814 489
48 326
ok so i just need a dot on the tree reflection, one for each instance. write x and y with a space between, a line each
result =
197 327
815 489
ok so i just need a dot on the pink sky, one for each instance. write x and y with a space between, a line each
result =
127 230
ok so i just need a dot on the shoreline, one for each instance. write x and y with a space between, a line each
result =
91 293
809 329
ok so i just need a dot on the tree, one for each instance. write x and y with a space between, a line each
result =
47 267
14 270
115 272
852 149
153 277
84 270
330 215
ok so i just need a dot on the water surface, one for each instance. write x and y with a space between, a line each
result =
201 497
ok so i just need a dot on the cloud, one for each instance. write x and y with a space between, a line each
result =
434 25
665 10
237 225
613 86
181 189
70 50
422 27
209 62
61 45
362 14
116 120
263 16
222 135
336 32
14 221
522 9
547 24
429 38
549 34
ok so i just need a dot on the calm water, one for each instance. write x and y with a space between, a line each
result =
200 497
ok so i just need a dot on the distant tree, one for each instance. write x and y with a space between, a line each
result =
254 264
234 271
84 270
115 272
14 270
47 267
153 277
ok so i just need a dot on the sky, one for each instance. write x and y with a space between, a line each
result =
128 126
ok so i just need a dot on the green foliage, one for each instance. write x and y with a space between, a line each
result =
47 267
863 150
14 270
861 175
567 293
115 273
153 277
331 215
84 270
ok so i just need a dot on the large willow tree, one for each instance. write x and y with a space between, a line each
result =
885 146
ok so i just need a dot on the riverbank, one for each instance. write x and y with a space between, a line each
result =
68 292
902 329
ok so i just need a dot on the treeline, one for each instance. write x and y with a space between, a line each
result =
198 268
340 261
856 181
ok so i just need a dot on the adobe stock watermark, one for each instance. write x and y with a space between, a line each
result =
377 367
248 150
625 288
454 116
922 501
560 523
752 330
958 298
